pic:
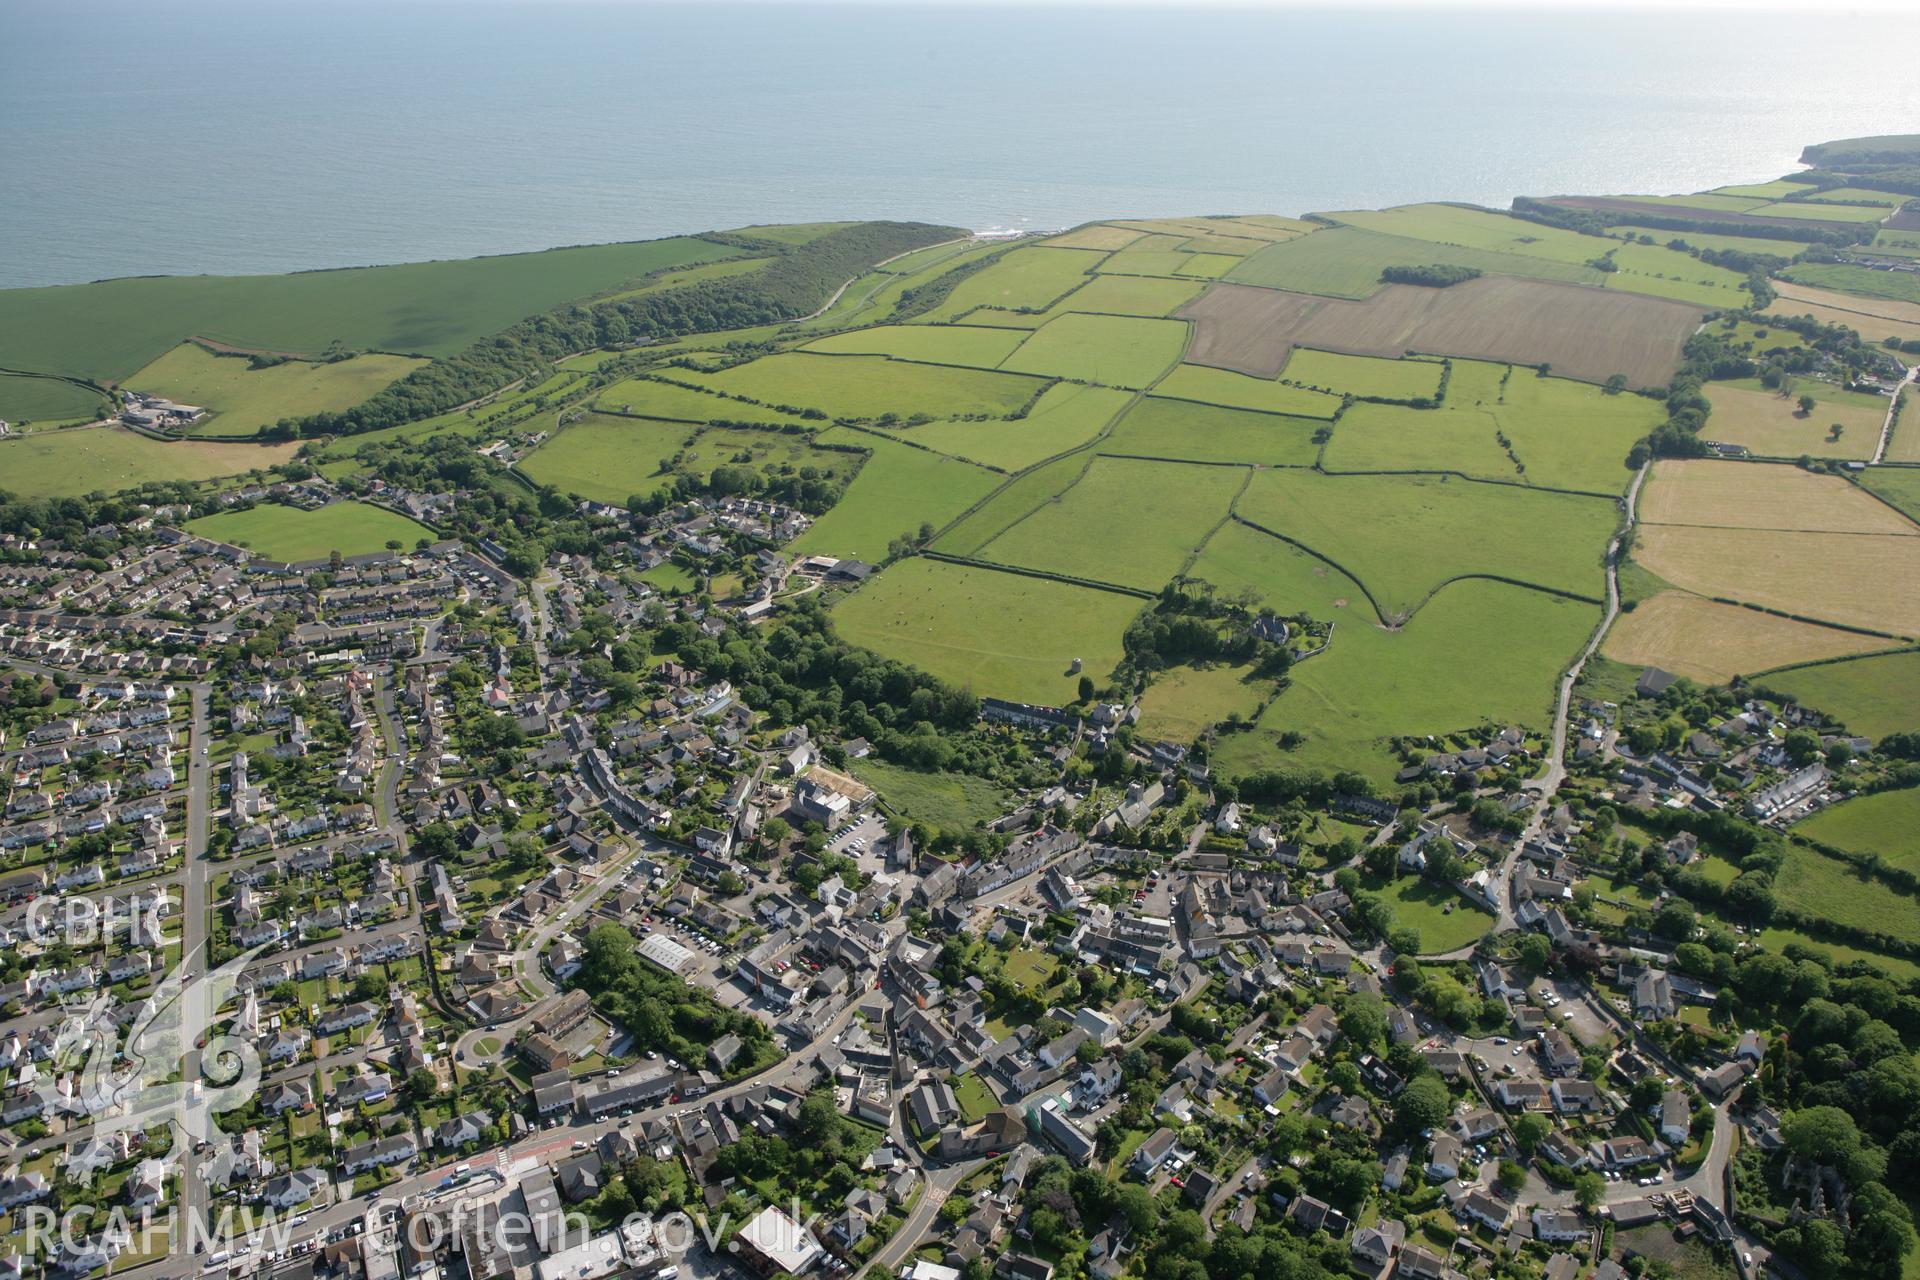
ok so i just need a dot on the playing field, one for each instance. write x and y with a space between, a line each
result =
898 490
1403 536
1238 391
1364 375
1713 642
241 399
1115 351
108 330
1066 417
25 399
1184 702
1584 333
1886 823
972 345
1157 428
658 398
1746 495
1871 696
290 534
609 459
1771 423
1127 522
1892 286
868 387
1024 279
1874 319
1002 635
83 460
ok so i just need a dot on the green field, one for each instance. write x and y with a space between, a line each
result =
1870 696
1829 889
1895 286
1012 504
1446 920
241 400
1900 486
1462 436
1858 195
1364 375
1346 262
1066 417
1776 190
1024 279
1126 522
950 801
26 399
1239 391
1886 823
1477 653
108 330
1118 351
1183 702
1158 428
655 398
608 459
1403 536
1821 212
899 489
1002 635
792 232
869 387
83 460
1129 296
971 345
290 534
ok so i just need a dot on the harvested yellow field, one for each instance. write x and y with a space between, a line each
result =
1763 495
1096 237
1855 579
1873 318
1713 642
1771 425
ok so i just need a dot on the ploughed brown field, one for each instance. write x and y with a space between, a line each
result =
1582 332
1608 204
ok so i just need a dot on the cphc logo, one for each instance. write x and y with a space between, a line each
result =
171 1071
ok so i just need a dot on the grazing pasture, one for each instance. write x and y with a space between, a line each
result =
1589 334
1867 282
1158 428
110 329
1127 522
1840 578
1364 375
1749 495
1404 536
1096 236
1567 435
1119 351
1770 423
651 397
1030 278
607 459
1184 702
24 398
1390 437
1873 696
971 345
1002 635
1104 295
1886 823
1900 485
1713 642
1874 319
241 400
1346 262
1067 416
290 534
1013 503
899 489
83 460
869 387
1239 391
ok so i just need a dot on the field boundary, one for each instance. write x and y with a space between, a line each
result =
1812 622
1833 661
1321 556
1045 575
1461 475
1271 413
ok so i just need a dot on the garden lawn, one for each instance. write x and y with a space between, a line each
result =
1127 522
975 1099
956 802
290 534
83 460
241 400
1120 351
899 489
1000 634
1886 823
867 387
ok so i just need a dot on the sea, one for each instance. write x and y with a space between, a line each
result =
142 137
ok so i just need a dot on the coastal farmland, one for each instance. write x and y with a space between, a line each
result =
1366 376
1067 416
1183 429
661 398
899 489
607 459
290 534
1117 351
25 399
1238 391
241 400
867 387
83 460
1874 318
